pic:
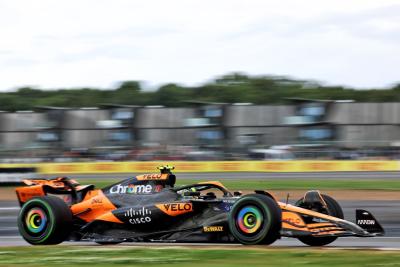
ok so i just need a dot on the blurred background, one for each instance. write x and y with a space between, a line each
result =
234 117
200 80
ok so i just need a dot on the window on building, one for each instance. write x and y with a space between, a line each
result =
248 139
120 136
312 111
212 112
210 135
316 134
122 115
47 137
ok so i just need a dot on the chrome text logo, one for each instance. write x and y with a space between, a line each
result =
131 189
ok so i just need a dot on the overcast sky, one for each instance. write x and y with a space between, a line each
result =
75 43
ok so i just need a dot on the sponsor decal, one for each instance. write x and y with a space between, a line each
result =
174 209
158 188
141 166
365 222
229 201
156 176
131 189
138 216
292 219
67 168
105 167
213 229
97 201
295 221
228 166
321 166
225 206
277 166
321 230
369 166
189 166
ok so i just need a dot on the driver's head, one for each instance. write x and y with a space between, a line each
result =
166 169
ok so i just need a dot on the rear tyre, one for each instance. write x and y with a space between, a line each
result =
334 210
45 221
255 219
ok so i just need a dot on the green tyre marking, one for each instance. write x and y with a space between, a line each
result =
51 218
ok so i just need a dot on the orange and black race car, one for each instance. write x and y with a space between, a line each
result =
150 208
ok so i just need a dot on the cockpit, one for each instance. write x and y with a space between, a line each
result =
205 190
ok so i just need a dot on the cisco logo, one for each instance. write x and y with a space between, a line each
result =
138 216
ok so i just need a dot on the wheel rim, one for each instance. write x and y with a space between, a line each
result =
36 221
249 219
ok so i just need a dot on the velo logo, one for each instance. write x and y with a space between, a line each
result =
174 209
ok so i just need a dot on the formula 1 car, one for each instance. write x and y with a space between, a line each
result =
150 208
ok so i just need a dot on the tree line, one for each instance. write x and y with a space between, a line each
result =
230 88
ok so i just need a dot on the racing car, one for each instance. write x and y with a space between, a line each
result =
150 208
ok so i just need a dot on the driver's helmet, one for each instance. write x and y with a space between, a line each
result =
168 170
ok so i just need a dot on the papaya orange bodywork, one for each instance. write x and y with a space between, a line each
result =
288 207
291 218
109 217
26 193
93 206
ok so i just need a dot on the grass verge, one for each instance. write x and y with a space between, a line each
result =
181 256
251 184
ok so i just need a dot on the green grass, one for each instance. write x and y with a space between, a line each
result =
181 256
286 184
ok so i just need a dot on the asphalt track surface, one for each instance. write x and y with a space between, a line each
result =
387 212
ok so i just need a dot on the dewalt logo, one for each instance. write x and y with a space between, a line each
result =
207 229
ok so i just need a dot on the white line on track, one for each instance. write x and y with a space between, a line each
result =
362 248
9 208
13 218
373 238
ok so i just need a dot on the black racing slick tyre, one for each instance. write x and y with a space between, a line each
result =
334 210
45 221
255 219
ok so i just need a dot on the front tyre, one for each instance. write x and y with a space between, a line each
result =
255 219
334 210
45 221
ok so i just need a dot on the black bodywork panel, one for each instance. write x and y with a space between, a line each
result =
152 210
